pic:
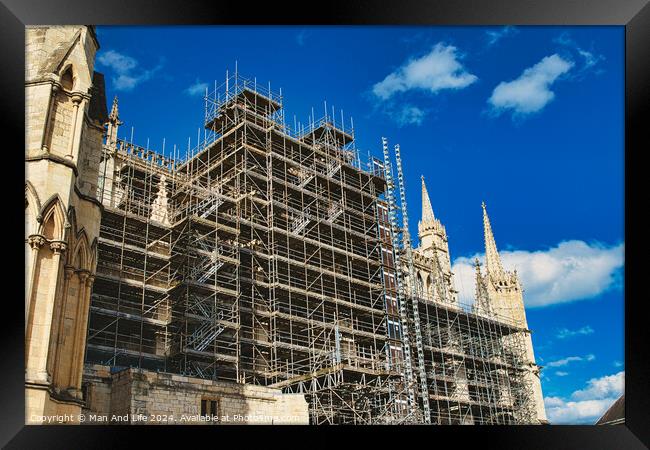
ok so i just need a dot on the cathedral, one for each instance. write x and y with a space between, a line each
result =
263 275
498 295
65 117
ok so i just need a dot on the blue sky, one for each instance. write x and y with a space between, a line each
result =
527 119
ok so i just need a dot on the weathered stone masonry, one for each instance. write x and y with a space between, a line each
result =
164 398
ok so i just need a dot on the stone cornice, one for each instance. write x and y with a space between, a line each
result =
37 384
66 162
49 79
54 158
88 198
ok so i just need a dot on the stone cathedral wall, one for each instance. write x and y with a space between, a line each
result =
138 396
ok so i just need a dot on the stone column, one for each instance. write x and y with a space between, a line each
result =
48 113
106 175
58 248
67 274
35 242
83 295
84 328
75 131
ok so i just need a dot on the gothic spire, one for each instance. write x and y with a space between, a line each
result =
492 260
427 210
482 303
113 125
479 278
114 116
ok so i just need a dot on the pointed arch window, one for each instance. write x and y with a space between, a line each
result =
429 292
52 226
67 79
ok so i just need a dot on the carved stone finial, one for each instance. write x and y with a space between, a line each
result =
114 115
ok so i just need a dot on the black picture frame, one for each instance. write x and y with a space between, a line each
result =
634 15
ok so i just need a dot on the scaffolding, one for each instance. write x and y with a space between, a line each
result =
130 312
270 255
471 362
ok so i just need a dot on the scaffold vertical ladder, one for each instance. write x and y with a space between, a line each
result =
390 196
406 239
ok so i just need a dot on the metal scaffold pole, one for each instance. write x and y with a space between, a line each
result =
406 237
390 195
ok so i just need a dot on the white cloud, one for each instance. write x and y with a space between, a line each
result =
119 63
561 374
573 270
409 115
197 88
437 70
586 405
550 402
582 412
530 92
127 73
126 82
564 39
570 359
590 57
465 278
301 36
564 333
563 361
604 387
494 37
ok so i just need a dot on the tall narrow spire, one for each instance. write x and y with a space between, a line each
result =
113 125
482 301
427 210
114 116
492 260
